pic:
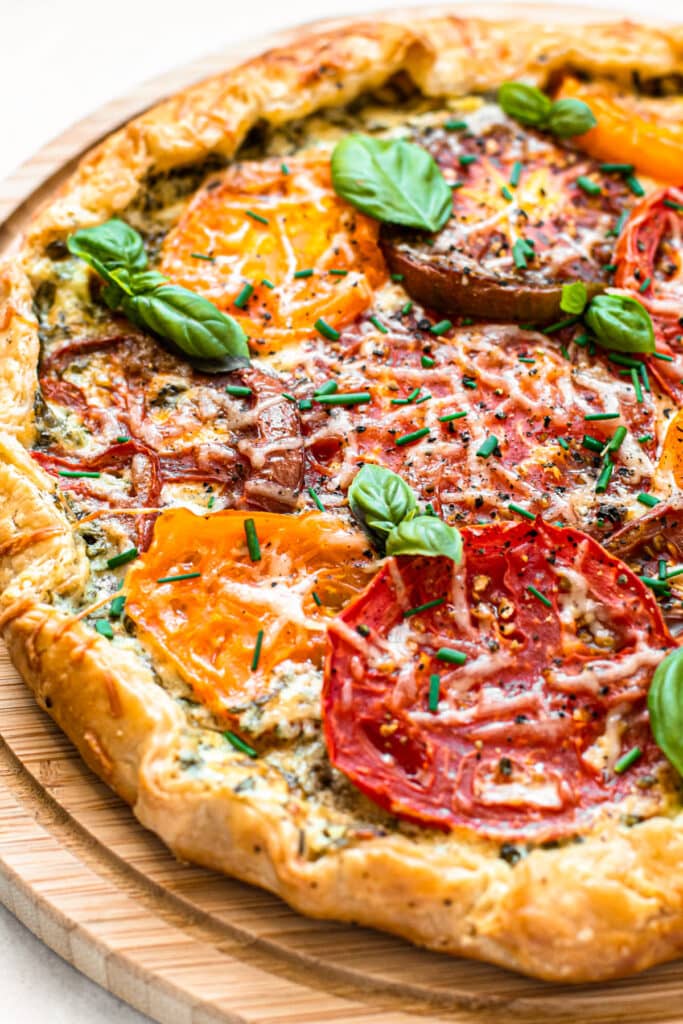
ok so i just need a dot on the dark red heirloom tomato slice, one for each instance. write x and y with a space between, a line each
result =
522 225
560 641
649 260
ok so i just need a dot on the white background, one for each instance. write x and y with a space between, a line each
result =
59 60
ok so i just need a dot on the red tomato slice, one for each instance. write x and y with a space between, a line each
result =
649 258
561 641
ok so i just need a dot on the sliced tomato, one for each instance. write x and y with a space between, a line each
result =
206 626
560 640
261 223
629 130
649 259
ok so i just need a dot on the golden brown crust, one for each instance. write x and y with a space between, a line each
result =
608 906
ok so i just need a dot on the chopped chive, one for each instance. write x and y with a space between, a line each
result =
122 558
452 416
338 273
257 650
673 205
117 606
563 443
625 762
644 438
397 277
609 268
541 597
661 568
506 193
617 168
76 473
618 227
469 382
661 355
210 502
434 686
284 168
363 629
328 388
645 285
326 330
604 478
252 540
103 627
560 324
450 655
238 391
315 499
427 362
244 296
456 184
308 272
290 398
454 126
488 447
351 398
581 340
122 439
519 254
267 283
415 435
257 216
635 379
239 744
565 351
615 442
616 357
674 572
429 509
465 159
316 599
645 377
647 499
591 188
634 185
202 256
407 308
516 173
424 607
423 398
376 322
521 511
602 416
591 443
179 576
441 327
525 359
304 404
660 587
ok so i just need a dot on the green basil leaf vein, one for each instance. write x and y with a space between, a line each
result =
425 535
665 703
380 498
395 181
620 323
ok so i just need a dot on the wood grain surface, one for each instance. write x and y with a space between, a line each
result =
182 944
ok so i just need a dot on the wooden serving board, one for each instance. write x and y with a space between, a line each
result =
182 944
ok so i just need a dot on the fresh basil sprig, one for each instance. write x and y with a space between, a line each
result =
387 508
620 323
197 327
665 703
530 106
393 180
574 298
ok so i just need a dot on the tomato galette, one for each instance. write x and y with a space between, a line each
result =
341 530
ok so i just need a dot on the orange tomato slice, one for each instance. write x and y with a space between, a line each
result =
671 459
261 223
207 626
627 133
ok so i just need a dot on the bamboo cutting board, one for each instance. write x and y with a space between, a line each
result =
182 944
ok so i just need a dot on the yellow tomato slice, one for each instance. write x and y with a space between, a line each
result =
628 133
206 626
262 224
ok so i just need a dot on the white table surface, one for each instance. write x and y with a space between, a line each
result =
59 61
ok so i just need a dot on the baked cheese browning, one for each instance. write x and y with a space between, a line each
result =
528 215
503 694
512 385
271 243
227 598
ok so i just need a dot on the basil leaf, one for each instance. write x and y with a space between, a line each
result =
525 103
190 321
425 535
620 324
665 702
109 245
380 498
574 297
570 117
393 180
